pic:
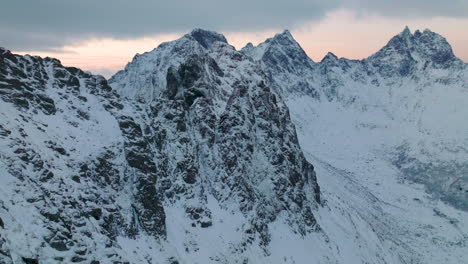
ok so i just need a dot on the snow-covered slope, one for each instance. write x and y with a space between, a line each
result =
158 175
408 100
376 127
189 155
75 170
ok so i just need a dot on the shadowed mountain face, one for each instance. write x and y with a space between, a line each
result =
190 155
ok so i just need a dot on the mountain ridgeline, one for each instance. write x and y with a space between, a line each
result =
191 155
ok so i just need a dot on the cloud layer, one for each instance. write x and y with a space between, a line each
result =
48 25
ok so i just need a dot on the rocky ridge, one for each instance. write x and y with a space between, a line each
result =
95 164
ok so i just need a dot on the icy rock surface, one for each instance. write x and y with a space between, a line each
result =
75 167
190 145
220 131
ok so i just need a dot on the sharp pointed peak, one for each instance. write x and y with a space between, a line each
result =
424 47
248 46
331 54
284 39
329 57
286 32
405 34
401 40
285 35
406 31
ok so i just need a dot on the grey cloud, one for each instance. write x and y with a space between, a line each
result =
57 22
50 24
412 8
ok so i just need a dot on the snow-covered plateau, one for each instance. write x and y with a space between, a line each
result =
199 153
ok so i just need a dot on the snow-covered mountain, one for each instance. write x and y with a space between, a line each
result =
381 125
207 150
408 100
189 155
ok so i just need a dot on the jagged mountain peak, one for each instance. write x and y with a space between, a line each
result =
281 52
206 37
285 40
6 53
284 36
282 58
248 46
197 39
331 60
149 69
407 52
282 42
402 41
435 46
329 57
424 42
406 31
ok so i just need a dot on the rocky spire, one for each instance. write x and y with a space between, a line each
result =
281 51
329 57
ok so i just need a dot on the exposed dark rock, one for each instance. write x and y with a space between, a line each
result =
96 213
76 259
30 260
207 38
173 260
199 137
59 245
76 179
4 132
47 175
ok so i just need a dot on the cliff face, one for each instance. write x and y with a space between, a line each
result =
230 135
75 163
190 129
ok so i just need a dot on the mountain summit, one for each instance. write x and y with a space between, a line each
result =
278 50
206 38
405 51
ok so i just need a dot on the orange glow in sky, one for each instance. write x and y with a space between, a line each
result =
340 32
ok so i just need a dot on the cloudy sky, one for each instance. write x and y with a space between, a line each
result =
103 35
